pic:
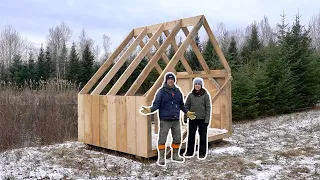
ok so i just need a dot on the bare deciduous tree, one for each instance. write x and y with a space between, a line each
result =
57 39
266 30
11 44
315 31
223 36
83 41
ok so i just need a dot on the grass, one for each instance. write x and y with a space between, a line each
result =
37 117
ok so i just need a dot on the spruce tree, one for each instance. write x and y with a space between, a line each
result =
244 94
193 60
49 65
232 54
41 65
250 50
73 68
16 71
86 65
297 51
32 71
210 56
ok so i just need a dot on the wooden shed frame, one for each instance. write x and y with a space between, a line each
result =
114 122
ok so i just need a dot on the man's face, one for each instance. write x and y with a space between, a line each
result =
170 82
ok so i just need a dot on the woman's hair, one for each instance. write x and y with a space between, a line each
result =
198 93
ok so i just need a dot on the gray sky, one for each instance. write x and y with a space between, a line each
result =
33 18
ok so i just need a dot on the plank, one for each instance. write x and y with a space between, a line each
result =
121 124
143 129
103 121
112 127
95 114
81 118
87 120
202 74
131 124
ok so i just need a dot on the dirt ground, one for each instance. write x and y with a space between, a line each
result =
281 147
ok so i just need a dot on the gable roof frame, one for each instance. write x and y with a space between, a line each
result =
154 32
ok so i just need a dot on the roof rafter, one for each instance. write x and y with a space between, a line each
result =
176 57
216 46
107 78
116 87
145 72
190 21
182 59
106 64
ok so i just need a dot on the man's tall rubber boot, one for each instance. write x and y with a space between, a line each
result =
161 158
176 156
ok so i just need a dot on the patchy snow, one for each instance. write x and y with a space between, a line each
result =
282 147
229 150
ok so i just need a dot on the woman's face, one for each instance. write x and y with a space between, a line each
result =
197 86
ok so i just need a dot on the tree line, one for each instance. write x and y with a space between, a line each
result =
275 70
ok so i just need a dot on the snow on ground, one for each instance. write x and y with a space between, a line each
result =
282 147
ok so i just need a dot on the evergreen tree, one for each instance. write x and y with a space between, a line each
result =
63 57
32 71
250 51
3 73
73 66
49 65
210 56
193 60
17 71
244 95
41 65
297 51
86 65
232 54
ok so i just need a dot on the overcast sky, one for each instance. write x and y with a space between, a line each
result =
33 18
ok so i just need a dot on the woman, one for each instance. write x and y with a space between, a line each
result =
198 101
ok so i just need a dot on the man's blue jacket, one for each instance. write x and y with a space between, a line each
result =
169 101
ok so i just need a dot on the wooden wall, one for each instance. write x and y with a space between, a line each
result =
221 108
114 122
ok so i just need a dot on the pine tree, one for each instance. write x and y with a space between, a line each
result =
73 68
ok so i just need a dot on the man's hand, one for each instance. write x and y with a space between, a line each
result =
191 115
145 110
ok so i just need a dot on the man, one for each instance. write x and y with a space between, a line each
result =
169 102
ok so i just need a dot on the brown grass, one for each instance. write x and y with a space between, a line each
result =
37 117
305 151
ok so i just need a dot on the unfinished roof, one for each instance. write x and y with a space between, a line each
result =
153 32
